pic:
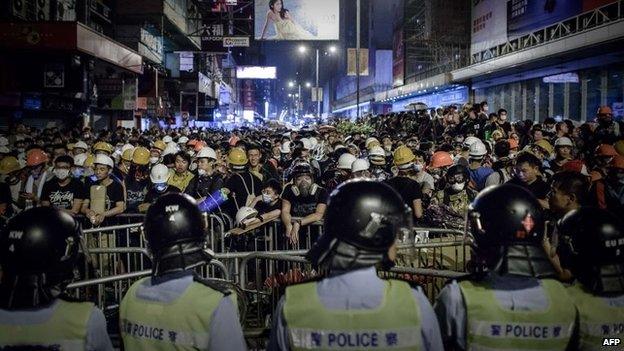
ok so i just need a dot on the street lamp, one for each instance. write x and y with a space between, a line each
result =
291 84
308 85
302 49
333 49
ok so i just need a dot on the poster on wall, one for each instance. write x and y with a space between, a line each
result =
525 16
489 24
398 59
297 20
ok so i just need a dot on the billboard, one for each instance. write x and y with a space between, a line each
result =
489 24
525 16
256 72
297 20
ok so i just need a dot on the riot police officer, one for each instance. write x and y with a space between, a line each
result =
592 247
38 251
174 308
351 307
509 302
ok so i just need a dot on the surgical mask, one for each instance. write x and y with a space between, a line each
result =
267 199
154 160
458 186
418 167
201 172
78 172
192 166
61 174
160 187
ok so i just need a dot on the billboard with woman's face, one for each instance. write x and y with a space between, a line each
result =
297 19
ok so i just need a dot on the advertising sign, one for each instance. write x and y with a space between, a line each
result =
256 72
525 16
236 42
352 64
398 58
212 37
297 20
489 24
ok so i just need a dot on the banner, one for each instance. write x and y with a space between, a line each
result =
297 20
525 16
352 64
398 59
489 24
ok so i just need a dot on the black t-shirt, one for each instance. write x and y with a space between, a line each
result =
203 186
263 208
114 193
62 197
408 188
538 188
301 206
5 199
135 193
241 185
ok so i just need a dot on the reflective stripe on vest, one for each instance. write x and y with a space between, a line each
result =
597 319
182 324
65 330
394 325
490 326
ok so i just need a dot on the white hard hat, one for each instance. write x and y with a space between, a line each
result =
102 159
81 145
339 146
172 148
79 160
245 213
313 142
563 141
361 164
4 141
285 148
370 140
207 152
4 149
159 174
123 148
478 149
471 140
307 145
167 139
377 151
345 161
183 140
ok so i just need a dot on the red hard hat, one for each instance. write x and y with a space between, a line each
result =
605 110
605 150
617 162
199 145
441 159
35 157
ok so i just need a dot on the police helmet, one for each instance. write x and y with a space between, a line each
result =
592 248
362 221
507 225
38 251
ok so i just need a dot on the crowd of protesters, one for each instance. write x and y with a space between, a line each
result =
437 159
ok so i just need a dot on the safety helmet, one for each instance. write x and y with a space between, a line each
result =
103 146
377 156
4 150
507 225
313 142
174 230
362 221
159 145
171 149
237 157
307 145
359 165
159 174
80 159
345 161
4 141
285 147
207 152
545 145
619 147
35 157
441 159
605 150
9 165
456 170
563 141
140 156
199 145
371 143
299 168
89 161
104 160
167 139
617 162
81 145
244 214
127 155
591 246
477 150
471 140
403 155
38 251
183 140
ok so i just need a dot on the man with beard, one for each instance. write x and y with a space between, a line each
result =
63 191
137 182
304 200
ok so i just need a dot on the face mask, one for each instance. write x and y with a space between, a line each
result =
267 199
61 174
193 167
418 167
154 160
201 172
161 187
458 186
78 172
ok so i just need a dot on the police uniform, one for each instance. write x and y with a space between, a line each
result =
510 302
352 308
174 309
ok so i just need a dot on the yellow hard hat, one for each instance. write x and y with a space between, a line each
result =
619 147
89 161
403 155
9 164
102 146
127 155
140 156
237 157
70 146
546 146
160 145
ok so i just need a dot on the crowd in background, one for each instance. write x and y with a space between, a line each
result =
437 159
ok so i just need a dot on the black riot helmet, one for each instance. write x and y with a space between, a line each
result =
362 221
592 248
174 230
38 251
507 225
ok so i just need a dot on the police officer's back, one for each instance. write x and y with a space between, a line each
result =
508 304
38 251
351 307
174 309
592 248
